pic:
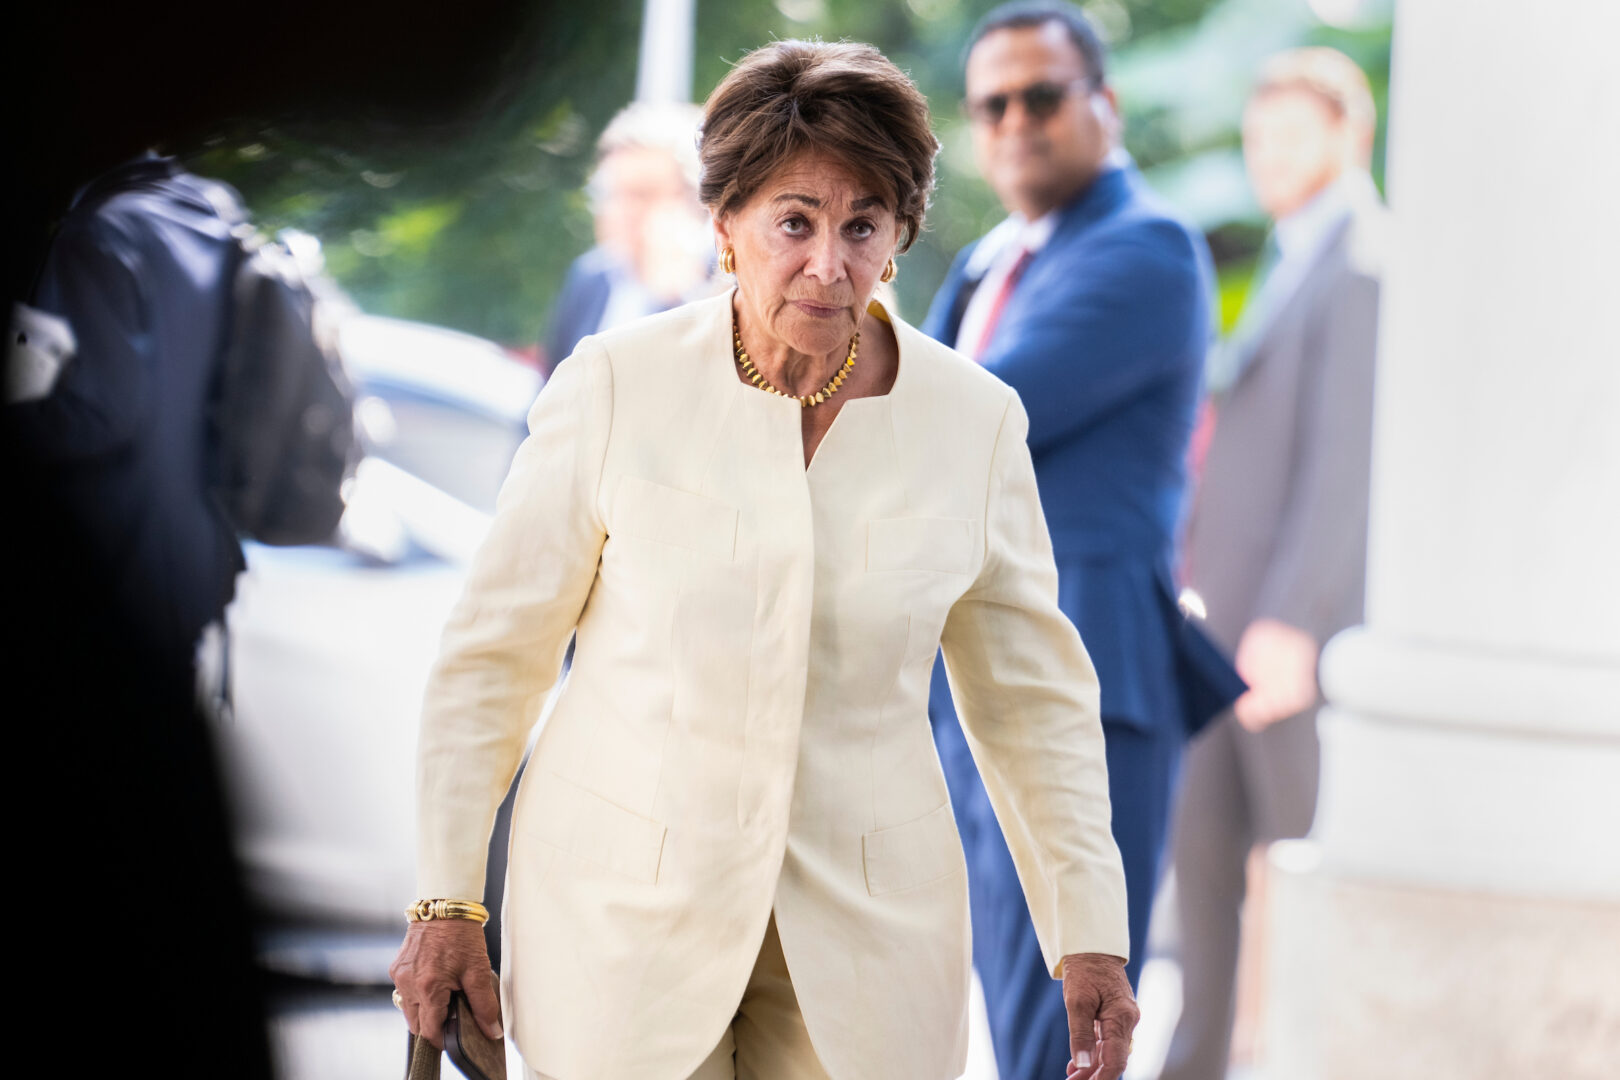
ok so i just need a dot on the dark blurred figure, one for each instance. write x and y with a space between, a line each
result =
1277 538
140 274
116 450
116 559
1092 301
653 248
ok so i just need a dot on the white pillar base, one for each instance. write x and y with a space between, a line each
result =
1405 982
1468 770
1456 912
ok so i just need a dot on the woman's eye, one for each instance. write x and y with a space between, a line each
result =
860 230
795 226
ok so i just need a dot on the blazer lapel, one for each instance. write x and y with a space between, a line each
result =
1105 195
1289 308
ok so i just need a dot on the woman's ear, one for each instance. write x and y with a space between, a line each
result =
722 231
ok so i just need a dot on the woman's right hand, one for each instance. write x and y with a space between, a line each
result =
440 956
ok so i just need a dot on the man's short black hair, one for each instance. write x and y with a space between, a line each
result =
1026 13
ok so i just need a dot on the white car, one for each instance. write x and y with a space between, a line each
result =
331 645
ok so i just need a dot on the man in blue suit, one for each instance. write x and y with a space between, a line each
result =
1092 301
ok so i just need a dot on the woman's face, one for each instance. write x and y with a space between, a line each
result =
810 246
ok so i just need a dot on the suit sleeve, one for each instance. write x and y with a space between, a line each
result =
503 644
1127 310
95 279
1027 697
1321 547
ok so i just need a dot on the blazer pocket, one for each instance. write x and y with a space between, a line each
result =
940 544
587 826
666 515
919 851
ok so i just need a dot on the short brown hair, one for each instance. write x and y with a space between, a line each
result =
846 100
1327 73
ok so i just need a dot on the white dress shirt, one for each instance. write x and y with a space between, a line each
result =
991 262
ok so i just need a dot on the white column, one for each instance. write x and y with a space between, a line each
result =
664 72
1456 912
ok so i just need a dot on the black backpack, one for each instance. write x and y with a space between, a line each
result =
282 412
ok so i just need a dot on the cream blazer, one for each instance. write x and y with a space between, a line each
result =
745 724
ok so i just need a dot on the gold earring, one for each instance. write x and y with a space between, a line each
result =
728 261
889 271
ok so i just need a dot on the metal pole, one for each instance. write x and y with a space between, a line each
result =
664 73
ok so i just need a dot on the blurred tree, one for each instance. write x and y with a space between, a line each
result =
476 232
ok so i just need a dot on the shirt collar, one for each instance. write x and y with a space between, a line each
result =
1033 235
1014 233
994 243
1302 232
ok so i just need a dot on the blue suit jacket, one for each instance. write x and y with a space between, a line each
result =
1104 339
581 302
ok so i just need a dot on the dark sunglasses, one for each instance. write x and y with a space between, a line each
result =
1040 100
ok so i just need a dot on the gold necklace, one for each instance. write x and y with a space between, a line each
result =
753 375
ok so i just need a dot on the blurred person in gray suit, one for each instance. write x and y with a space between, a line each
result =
1277 537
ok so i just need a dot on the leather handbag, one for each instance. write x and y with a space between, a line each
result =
477 1055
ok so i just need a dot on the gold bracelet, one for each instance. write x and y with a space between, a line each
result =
428 910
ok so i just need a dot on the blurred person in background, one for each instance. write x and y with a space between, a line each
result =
653 248
115 558
122 327
138 281
1277 538
763 513
1092 301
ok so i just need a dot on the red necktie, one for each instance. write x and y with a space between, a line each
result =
1008 283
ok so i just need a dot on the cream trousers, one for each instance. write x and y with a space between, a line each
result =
767 1039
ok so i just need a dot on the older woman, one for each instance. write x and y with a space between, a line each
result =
761 515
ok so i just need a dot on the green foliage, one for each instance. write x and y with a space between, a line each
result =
1231 289
476 231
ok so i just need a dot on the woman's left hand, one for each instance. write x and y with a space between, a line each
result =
1102 1015
438 958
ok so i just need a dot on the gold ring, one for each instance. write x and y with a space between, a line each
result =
399 1002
